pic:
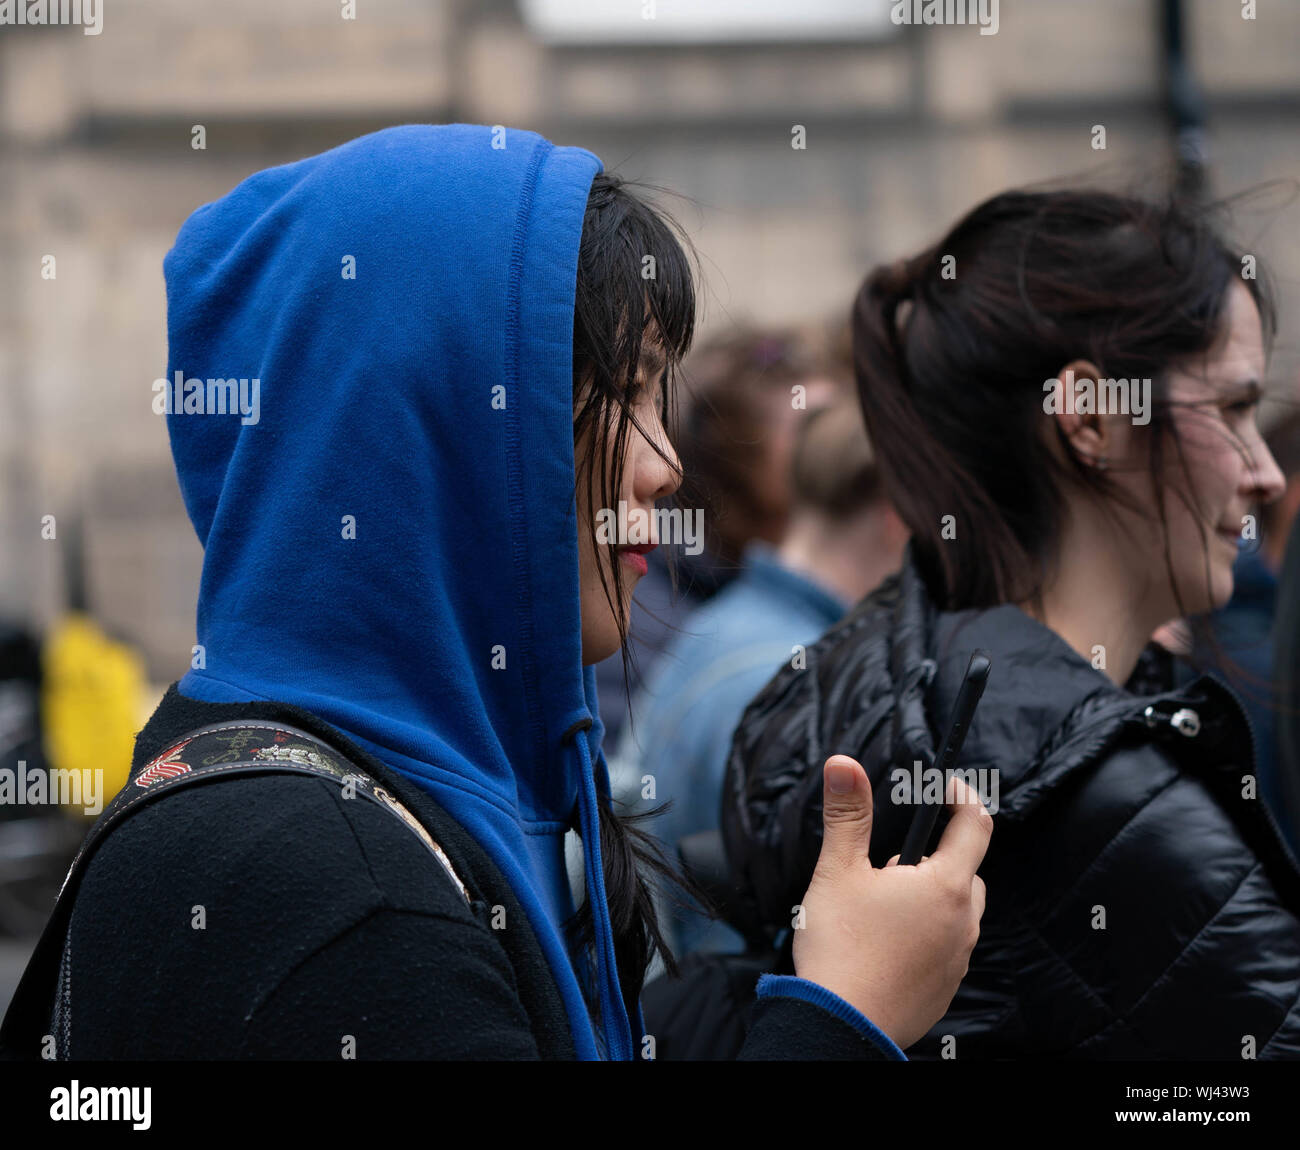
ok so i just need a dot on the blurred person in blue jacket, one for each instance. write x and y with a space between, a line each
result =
843 538
1286 676
734 435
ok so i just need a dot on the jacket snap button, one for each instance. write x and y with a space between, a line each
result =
1186 722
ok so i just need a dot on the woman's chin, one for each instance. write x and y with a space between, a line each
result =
1197 599
1222 585
1223 589
600 646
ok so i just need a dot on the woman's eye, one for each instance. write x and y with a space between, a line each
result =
642 388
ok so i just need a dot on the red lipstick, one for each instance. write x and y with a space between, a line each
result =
634 557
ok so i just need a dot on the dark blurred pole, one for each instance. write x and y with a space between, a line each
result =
1184 103
72 535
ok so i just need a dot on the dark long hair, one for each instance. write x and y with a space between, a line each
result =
635 282
1024 284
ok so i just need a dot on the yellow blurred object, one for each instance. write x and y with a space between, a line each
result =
90 702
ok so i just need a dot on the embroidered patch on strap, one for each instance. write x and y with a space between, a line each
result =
165 766
238 745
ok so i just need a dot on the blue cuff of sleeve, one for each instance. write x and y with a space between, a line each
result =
787 985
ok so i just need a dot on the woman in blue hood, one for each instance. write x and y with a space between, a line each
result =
451 348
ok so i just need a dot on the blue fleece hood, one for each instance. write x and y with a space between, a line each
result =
389 530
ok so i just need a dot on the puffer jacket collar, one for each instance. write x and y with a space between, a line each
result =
1042 697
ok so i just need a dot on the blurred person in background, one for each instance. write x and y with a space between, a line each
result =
1141 903
28 875
69 710
1243 632
734 433
1286 676
842 539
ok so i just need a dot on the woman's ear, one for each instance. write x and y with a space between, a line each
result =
1070 400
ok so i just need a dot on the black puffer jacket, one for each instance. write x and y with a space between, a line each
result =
1139 906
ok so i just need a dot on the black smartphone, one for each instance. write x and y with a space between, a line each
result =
927 814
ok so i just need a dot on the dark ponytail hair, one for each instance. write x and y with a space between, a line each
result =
952 391
622 301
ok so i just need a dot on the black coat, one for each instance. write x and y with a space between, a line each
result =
321 918
1138 905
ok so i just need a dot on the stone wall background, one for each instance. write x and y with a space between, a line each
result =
904 132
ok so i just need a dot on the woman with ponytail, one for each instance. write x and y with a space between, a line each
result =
1063 394
347 823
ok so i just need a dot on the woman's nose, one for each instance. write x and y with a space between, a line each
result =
669 474
1265 477
662 476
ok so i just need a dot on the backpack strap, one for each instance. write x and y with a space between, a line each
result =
40 1005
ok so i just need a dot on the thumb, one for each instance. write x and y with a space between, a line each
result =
846 811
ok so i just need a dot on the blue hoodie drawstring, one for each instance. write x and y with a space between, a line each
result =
613 1013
